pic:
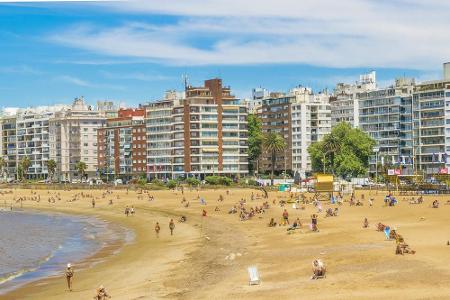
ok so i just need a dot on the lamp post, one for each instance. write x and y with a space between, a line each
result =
376 150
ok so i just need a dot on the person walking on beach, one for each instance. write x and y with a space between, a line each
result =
69 276
157 229
171 226
93 203
127 211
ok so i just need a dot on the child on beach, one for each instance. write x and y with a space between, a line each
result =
69 276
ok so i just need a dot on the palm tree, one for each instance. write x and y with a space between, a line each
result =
25 163
2 166
331 145
273 143
81 168
51 166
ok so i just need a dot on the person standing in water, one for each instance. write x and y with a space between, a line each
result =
171 226
157 229
69 276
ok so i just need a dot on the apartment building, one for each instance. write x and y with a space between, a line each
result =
431 132
8 145
344 102
386 115
73 138
32 139
301 118
203 132
122 145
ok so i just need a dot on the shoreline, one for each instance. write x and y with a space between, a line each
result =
124 257
107 247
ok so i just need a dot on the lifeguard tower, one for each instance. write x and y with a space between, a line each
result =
324 186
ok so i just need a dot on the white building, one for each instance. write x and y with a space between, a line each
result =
344 103
73 138
311 121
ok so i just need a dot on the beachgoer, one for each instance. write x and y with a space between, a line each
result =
157 229
204 213
132 210
127 210
69 276
93 203
366 223
286 217
314 222
319 269
272 223
101 294
171 226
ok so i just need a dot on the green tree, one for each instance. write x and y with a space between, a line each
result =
24 164
51 167
273 143
344 152
255 141
2 166
81 168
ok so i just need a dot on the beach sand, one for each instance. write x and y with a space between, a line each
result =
207 257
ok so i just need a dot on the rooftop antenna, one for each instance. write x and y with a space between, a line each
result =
185 78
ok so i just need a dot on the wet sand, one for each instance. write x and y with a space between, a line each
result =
193 263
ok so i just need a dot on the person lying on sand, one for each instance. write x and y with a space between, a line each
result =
182 219
101 294
403 248
296 225
381 227
318 268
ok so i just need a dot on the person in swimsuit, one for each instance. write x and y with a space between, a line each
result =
171 226
69 276
101 294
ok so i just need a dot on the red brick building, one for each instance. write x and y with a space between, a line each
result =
122 145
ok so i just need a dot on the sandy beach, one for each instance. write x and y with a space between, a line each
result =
207 257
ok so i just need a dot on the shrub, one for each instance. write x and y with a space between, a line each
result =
141 181
218 180
193 181
156 181
171 184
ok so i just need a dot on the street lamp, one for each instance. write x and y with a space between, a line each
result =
376 150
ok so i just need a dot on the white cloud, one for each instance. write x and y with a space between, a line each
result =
83 83
136 76
351 33
20 69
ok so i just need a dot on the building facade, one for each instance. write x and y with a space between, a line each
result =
73 138
122 145
203 132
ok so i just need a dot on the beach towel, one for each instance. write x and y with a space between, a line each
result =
387 232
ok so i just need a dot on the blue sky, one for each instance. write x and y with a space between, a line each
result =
132 51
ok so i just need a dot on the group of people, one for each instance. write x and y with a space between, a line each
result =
171 226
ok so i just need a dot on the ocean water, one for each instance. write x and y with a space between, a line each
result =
35 245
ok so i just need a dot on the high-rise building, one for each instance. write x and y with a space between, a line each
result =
300 117
73 138
386 115
345 104
201 133
431 107
122 145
